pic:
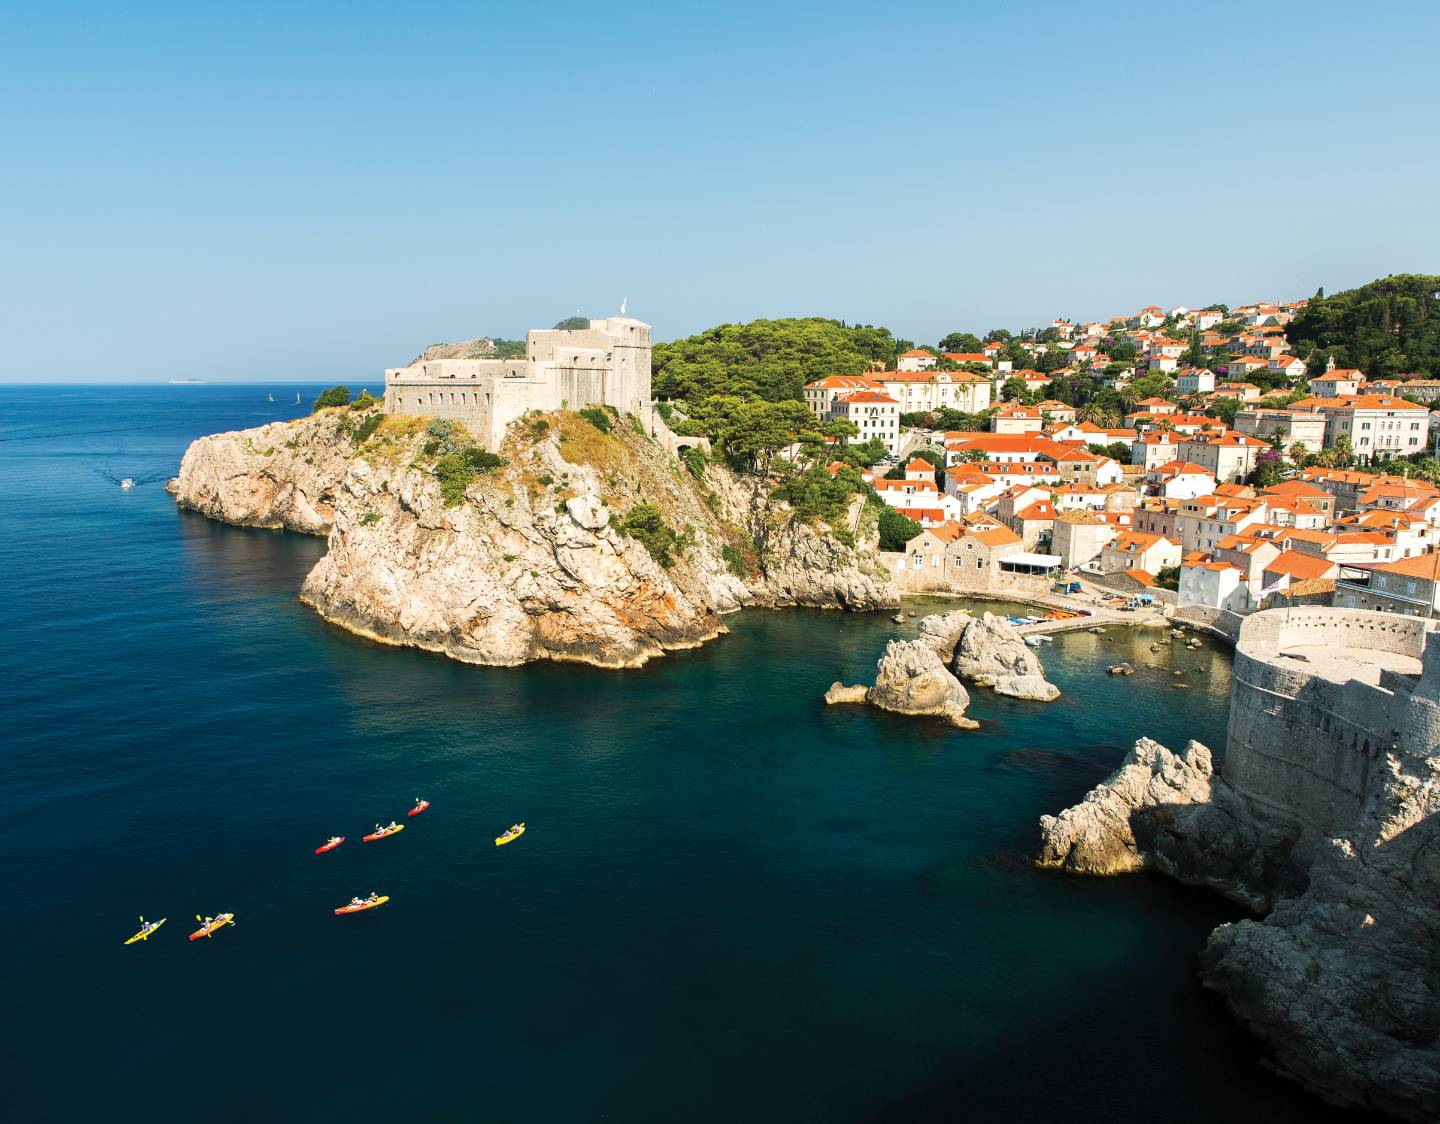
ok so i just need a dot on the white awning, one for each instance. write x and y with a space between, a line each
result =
1025 558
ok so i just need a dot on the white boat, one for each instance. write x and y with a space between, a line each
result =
271 397
297 399
1036 641
127 483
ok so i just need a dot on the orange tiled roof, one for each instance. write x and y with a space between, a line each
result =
1301 566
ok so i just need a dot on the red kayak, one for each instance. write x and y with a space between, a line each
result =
419 807
330 844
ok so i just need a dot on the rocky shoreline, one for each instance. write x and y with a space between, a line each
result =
534 561
1337 973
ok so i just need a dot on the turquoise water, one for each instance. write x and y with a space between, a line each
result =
731 901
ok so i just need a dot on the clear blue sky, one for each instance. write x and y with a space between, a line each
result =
320 190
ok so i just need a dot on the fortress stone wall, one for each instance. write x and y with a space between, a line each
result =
1319 696
606 364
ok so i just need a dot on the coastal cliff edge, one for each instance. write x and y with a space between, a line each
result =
530 558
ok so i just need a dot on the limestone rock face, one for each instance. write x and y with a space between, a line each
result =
911 678
482 347
527 566
801 564
839 693
588 511
266 477
942 631
1341 979
1097 835
991 653
1033 687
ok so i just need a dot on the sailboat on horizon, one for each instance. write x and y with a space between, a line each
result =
297 399
271 397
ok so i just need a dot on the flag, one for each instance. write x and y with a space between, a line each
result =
1282 582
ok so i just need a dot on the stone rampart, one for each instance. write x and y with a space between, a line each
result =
607 364
1319 696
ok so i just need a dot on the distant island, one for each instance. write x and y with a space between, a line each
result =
184 382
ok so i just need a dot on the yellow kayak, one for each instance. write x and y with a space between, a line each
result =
511 835
146 930
216 924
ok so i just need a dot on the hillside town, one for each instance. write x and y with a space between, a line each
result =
1214 469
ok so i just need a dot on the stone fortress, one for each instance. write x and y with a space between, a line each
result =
606 364
1319 697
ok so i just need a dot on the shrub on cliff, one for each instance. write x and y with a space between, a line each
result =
364 400
368 426
456 470
335 396
694 458
446 437
646 524
597 417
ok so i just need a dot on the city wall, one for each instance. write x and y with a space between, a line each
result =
1305 735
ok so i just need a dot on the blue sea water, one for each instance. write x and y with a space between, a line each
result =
732 901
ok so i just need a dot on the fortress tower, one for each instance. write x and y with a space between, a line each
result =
1318 698
606 364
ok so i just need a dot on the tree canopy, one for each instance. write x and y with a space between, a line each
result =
573 322
1388 327
769 359
966 343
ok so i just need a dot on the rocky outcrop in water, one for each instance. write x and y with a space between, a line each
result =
1097 836
917 676
911 678
990 653
1172 813
533 561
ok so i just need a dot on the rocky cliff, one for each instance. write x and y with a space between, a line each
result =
1341 977
530 560
1172 813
